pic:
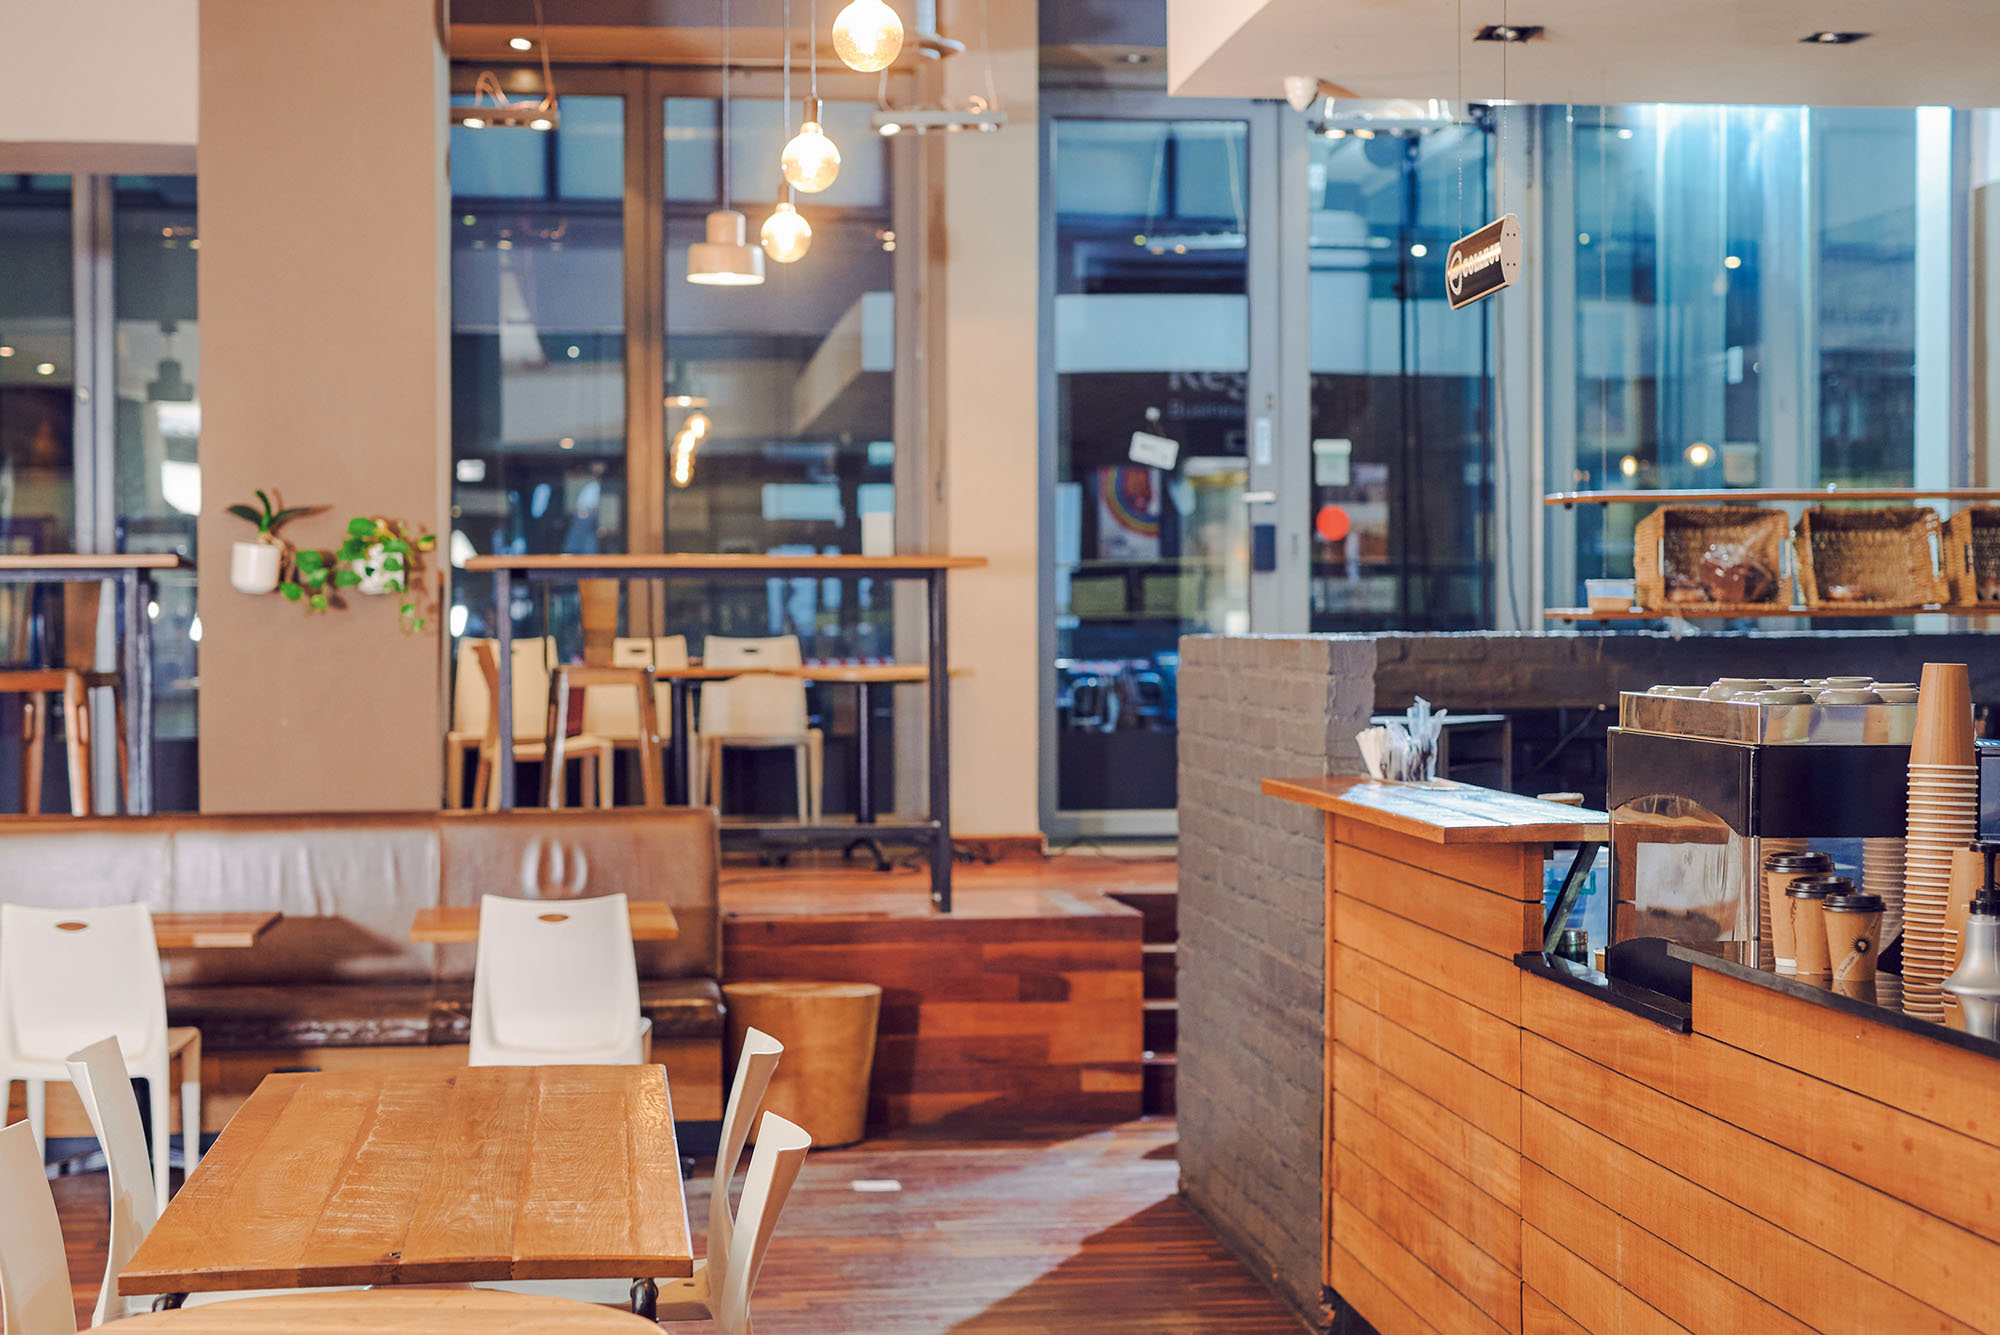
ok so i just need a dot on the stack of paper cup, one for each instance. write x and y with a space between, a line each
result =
1765 848
1882 874
1943 818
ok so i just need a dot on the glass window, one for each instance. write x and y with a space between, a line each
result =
1151 336
156 470
538 350
37 383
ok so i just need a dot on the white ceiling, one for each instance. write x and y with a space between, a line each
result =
1922 53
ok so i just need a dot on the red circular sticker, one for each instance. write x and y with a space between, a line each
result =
1332 523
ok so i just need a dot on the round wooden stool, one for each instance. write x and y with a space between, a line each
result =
828 1030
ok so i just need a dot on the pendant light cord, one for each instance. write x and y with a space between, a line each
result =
812 44
722 136
786 117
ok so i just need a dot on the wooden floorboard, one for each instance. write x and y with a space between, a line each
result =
1076 1231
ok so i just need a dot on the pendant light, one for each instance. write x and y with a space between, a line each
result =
787 236
726 258
867 36
811 161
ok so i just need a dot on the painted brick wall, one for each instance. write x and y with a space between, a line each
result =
1252 936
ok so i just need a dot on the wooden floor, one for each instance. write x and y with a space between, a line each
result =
823 883
1077 1232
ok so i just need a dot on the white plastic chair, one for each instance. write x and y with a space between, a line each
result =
105 1087
34 1270
763 713
69 977
610 711
767 651
693 1298
556 983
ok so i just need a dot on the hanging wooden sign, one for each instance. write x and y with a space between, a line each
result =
1479 265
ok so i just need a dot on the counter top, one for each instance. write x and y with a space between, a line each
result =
1881 1004
1444 812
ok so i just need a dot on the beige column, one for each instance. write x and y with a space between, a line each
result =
991 421
324 307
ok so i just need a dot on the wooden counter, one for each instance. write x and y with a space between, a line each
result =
1507 1153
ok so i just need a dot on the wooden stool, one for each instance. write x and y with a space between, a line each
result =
594 752
828 1030
562 677
35 686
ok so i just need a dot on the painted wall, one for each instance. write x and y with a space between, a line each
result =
109 84
991 425
323 308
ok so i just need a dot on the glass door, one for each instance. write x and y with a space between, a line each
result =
1147 279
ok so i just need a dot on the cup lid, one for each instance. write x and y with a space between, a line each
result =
1819 887
1799 862
1856 903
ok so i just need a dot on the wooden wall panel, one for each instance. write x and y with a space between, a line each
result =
1467 1032
1367 1293
1539 1316
986 1022
1398 1267
1461 1204
1490 1286
1463 912
1579 1290
1457 1086
1514 870
1484 979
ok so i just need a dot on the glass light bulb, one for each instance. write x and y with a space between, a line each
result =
787 236
697 424
811 161
867 36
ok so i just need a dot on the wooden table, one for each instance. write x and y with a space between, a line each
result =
212 931
934 831
421 1312
419 1176
133 572
651 921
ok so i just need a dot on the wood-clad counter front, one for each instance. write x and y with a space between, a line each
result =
1504 1152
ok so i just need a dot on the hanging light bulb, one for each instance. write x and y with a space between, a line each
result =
811 160
867 36
683 457
787 236
697 425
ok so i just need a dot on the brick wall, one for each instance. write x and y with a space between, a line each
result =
1252 936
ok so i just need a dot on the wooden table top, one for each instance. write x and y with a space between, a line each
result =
853 674
423 1175
386 1312
697 562
63 561
1445 812
651 921
212 931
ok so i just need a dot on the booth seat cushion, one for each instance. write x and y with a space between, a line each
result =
238 1017
680 1008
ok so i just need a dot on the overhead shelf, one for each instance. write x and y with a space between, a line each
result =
1750 495
1693 612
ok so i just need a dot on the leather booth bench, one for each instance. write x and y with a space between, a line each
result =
338 984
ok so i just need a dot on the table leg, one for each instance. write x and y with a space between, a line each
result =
646 1299
169 1302
864 764
940 744
138 693
677 744
503 764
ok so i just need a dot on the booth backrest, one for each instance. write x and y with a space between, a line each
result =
350 885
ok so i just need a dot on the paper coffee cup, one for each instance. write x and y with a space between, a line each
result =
1805 896
1853 935
1780 870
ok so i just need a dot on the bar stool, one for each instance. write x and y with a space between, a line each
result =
74 681
594 752
598 601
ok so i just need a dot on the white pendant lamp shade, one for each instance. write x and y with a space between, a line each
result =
811 162
726 259
867 36
787 236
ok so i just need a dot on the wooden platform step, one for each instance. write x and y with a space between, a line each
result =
1162 970
1161 907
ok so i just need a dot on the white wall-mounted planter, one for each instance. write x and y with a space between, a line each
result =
254 566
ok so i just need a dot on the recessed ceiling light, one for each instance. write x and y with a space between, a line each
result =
1732 262
1835 38
46 368
1508 32
6 350
1134 57
520 44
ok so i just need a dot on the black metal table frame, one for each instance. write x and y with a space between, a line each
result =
136 657
934 832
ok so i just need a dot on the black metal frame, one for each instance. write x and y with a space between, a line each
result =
136 657
934 833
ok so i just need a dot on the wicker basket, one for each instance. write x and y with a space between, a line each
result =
1863 558
1674 537
1972 554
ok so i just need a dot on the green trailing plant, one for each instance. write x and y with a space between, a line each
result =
378 556
269 515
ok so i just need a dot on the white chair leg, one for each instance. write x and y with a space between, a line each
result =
190 1126
156 1086
37 1099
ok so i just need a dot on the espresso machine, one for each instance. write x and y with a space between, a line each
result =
1701 789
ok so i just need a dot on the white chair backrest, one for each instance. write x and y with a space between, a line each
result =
746 1096
555 973
613 711
34 1271
776 651
531 687
105 1087
68 977
755 705
774 1166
